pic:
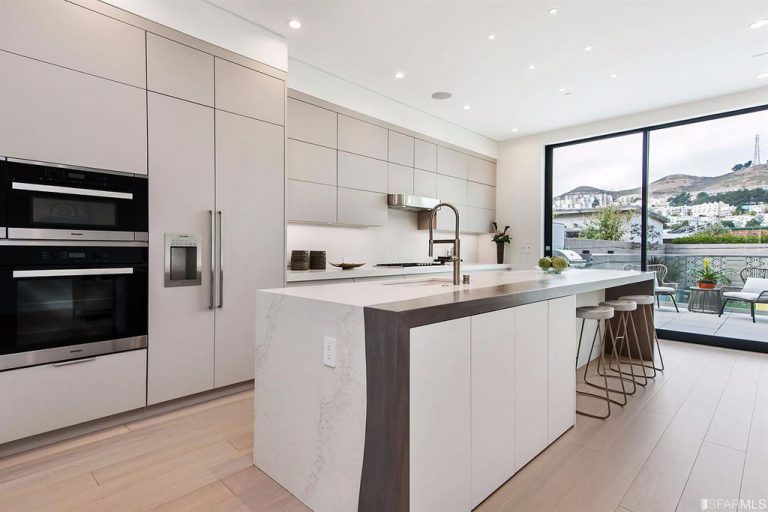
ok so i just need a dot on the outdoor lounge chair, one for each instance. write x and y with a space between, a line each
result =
755 290
660 287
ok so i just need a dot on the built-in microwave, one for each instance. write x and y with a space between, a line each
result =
60 303
47 202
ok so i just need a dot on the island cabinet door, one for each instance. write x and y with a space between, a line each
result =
562 361
531 381
440 458
493 401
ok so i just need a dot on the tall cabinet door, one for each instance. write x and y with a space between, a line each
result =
250 194
181 163
562 363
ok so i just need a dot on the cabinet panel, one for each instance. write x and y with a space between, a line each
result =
425 155
400 179
181 155
361 208
451 163
310 162
362 138
74 37
531 389
250 180
479 220
424 183
451 190
400 149
562 362
311 124
482 171
446 221
178 70
310 202
482 196
247 92
56 115
362 173
493 401
48 397
440 422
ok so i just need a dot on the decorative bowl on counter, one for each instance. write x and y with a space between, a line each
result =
347 266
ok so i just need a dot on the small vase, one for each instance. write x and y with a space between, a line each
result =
500 252
707 285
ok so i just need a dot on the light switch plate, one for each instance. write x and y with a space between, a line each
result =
329 351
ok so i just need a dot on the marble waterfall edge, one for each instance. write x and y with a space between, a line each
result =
309 419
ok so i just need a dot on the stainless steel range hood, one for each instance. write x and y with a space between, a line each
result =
411 203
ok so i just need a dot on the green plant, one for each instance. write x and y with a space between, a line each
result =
501 237
608 223
707 274
726 238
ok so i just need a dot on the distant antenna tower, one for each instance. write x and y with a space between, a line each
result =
756 159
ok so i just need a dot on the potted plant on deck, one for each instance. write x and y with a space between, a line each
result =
708 277
500 238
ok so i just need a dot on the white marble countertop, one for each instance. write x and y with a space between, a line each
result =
483 285
293 276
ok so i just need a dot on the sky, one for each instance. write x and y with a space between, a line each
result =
702 149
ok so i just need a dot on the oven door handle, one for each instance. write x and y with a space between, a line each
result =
54 189
67 272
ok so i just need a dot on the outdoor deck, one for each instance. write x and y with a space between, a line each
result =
731 325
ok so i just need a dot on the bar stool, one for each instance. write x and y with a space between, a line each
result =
645 303
600 314
625 308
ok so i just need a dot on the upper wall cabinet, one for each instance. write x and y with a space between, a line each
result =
400 149
71 36
362 173
311 124
178 70
243 91
425 155
451 163
482 171
362 138
310 162
57 115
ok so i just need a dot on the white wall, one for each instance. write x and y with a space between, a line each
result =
398 241
321 84
520 168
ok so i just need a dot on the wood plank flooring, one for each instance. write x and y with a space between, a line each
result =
700 430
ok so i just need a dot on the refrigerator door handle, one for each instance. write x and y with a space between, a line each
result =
212 293
221 259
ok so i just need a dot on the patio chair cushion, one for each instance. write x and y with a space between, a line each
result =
665 289
749 297
755 285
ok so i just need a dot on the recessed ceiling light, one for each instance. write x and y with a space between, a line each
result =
759 23
467 107
531 66
562 89
514 130
552 11
399 74
614 75
294 24
491 37
763 75
441 95
587 48
568 93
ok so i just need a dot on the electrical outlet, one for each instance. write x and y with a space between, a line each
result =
329 351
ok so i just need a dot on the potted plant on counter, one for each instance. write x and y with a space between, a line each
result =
708 277
500 238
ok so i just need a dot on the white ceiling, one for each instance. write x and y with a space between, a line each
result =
664 52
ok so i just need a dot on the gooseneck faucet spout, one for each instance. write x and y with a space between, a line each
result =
456 257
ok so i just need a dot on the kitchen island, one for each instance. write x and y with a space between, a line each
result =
417 394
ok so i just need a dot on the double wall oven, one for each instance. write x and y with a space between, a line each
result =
73 263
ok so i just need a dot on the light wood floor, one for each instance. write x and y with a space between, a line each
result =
700 430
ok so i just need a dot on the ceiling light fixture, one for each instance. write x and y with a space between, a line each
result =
587 48
531 67
441 95
552 11
762 76
399 75
568 93
614 75
759 23
514 130
294 24
467 107
562 89
491 37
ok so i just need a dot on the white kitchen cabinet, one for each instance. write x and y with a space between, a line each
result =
400 179
362 173
57 115
310 202
562 364
493 401
451 162
243 91
440 418
482 171
531 381
181 158
362 138
310 123
73 37
361 208
425 155
52 396
179 70
481 196
400 148
250 182
445 220
424 183
451 190
479 220
310 162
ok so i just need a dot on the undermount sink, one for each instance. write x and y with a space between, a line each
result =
421 282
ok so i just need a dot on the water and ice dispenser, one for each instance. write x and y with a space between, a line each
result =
183 259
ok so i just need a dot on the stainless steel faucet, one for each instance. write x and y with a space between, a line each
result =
456 256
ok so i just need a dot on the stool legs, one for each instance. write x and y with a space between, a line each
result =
622 334
605 388
654 340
